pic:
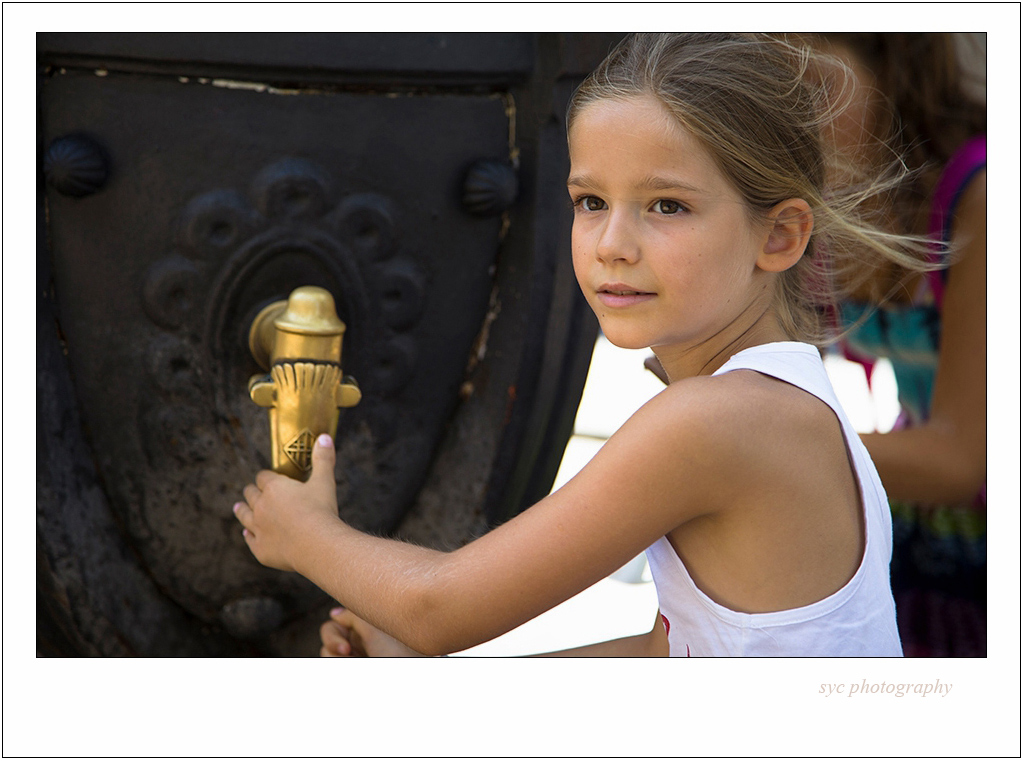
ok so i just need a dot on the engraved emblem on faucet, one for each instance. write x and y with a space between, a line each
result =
300 450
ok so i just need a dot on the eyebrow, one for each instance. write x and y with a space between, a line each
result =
654 182
580 180
650 182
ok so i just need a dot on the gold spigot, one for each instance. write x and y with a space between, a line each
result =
299 342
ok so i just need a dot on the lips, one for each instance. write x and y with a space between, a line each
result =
621 295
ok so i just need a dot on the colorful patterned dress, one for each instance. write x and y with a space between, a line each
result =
939 563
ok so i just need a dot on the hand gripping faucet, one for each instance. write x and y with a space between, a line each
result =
299 342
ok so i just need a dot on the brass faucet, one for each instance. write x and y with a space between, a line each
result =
299 342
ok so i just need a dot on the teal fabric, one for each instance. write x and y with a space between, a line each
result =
908 335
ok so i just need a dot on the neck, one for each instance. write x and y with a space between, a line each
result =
754 327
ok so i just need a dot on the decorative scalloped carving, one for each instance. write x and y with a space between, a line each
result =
216 222
401 292
366 222
235 252
169 292
292 189
395 366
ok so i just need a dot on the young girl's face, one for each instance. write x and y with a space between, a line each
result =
663 247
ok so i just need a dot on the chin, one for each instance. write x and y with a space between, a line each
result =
624 341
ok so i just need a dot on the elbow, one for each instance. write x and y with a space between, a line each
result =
433 648
422 627
967 479
957 462
965 467
957 476
434 621
425 632
433 634
420 639
444 629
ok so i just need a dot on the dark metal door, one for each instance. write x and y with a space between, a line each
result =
190 180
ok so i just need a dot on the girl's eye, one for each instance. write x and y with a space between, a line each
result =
665 206
591 203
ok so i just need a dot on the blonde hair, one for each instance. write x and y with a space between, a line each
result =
761 105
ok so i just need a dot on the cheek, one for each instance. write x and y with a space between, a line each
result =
579 257
577 263
715 278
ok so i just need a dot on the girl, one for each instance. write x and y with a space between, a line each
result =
697 177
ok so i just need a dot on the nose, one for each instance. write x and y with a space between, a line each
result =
618 240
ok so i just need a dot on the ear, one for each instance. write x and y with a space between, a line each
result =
789 225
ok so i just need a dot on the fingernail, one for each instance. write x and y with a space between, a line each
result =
235 507
324 440
336 611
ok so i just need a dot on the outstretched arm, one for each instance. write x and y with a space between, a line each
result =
662 461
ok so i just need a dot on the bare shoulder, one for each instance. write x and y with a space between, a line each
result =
701 412
737 407
676 456
733 431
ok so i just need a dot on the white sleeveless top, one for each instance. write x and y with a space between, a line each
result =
858 619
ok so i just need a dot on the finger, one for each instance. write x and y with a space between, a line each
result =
345 619
264 477
323 459
334 639
327 651
351 625
331 632
243 513
343 623
251 493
